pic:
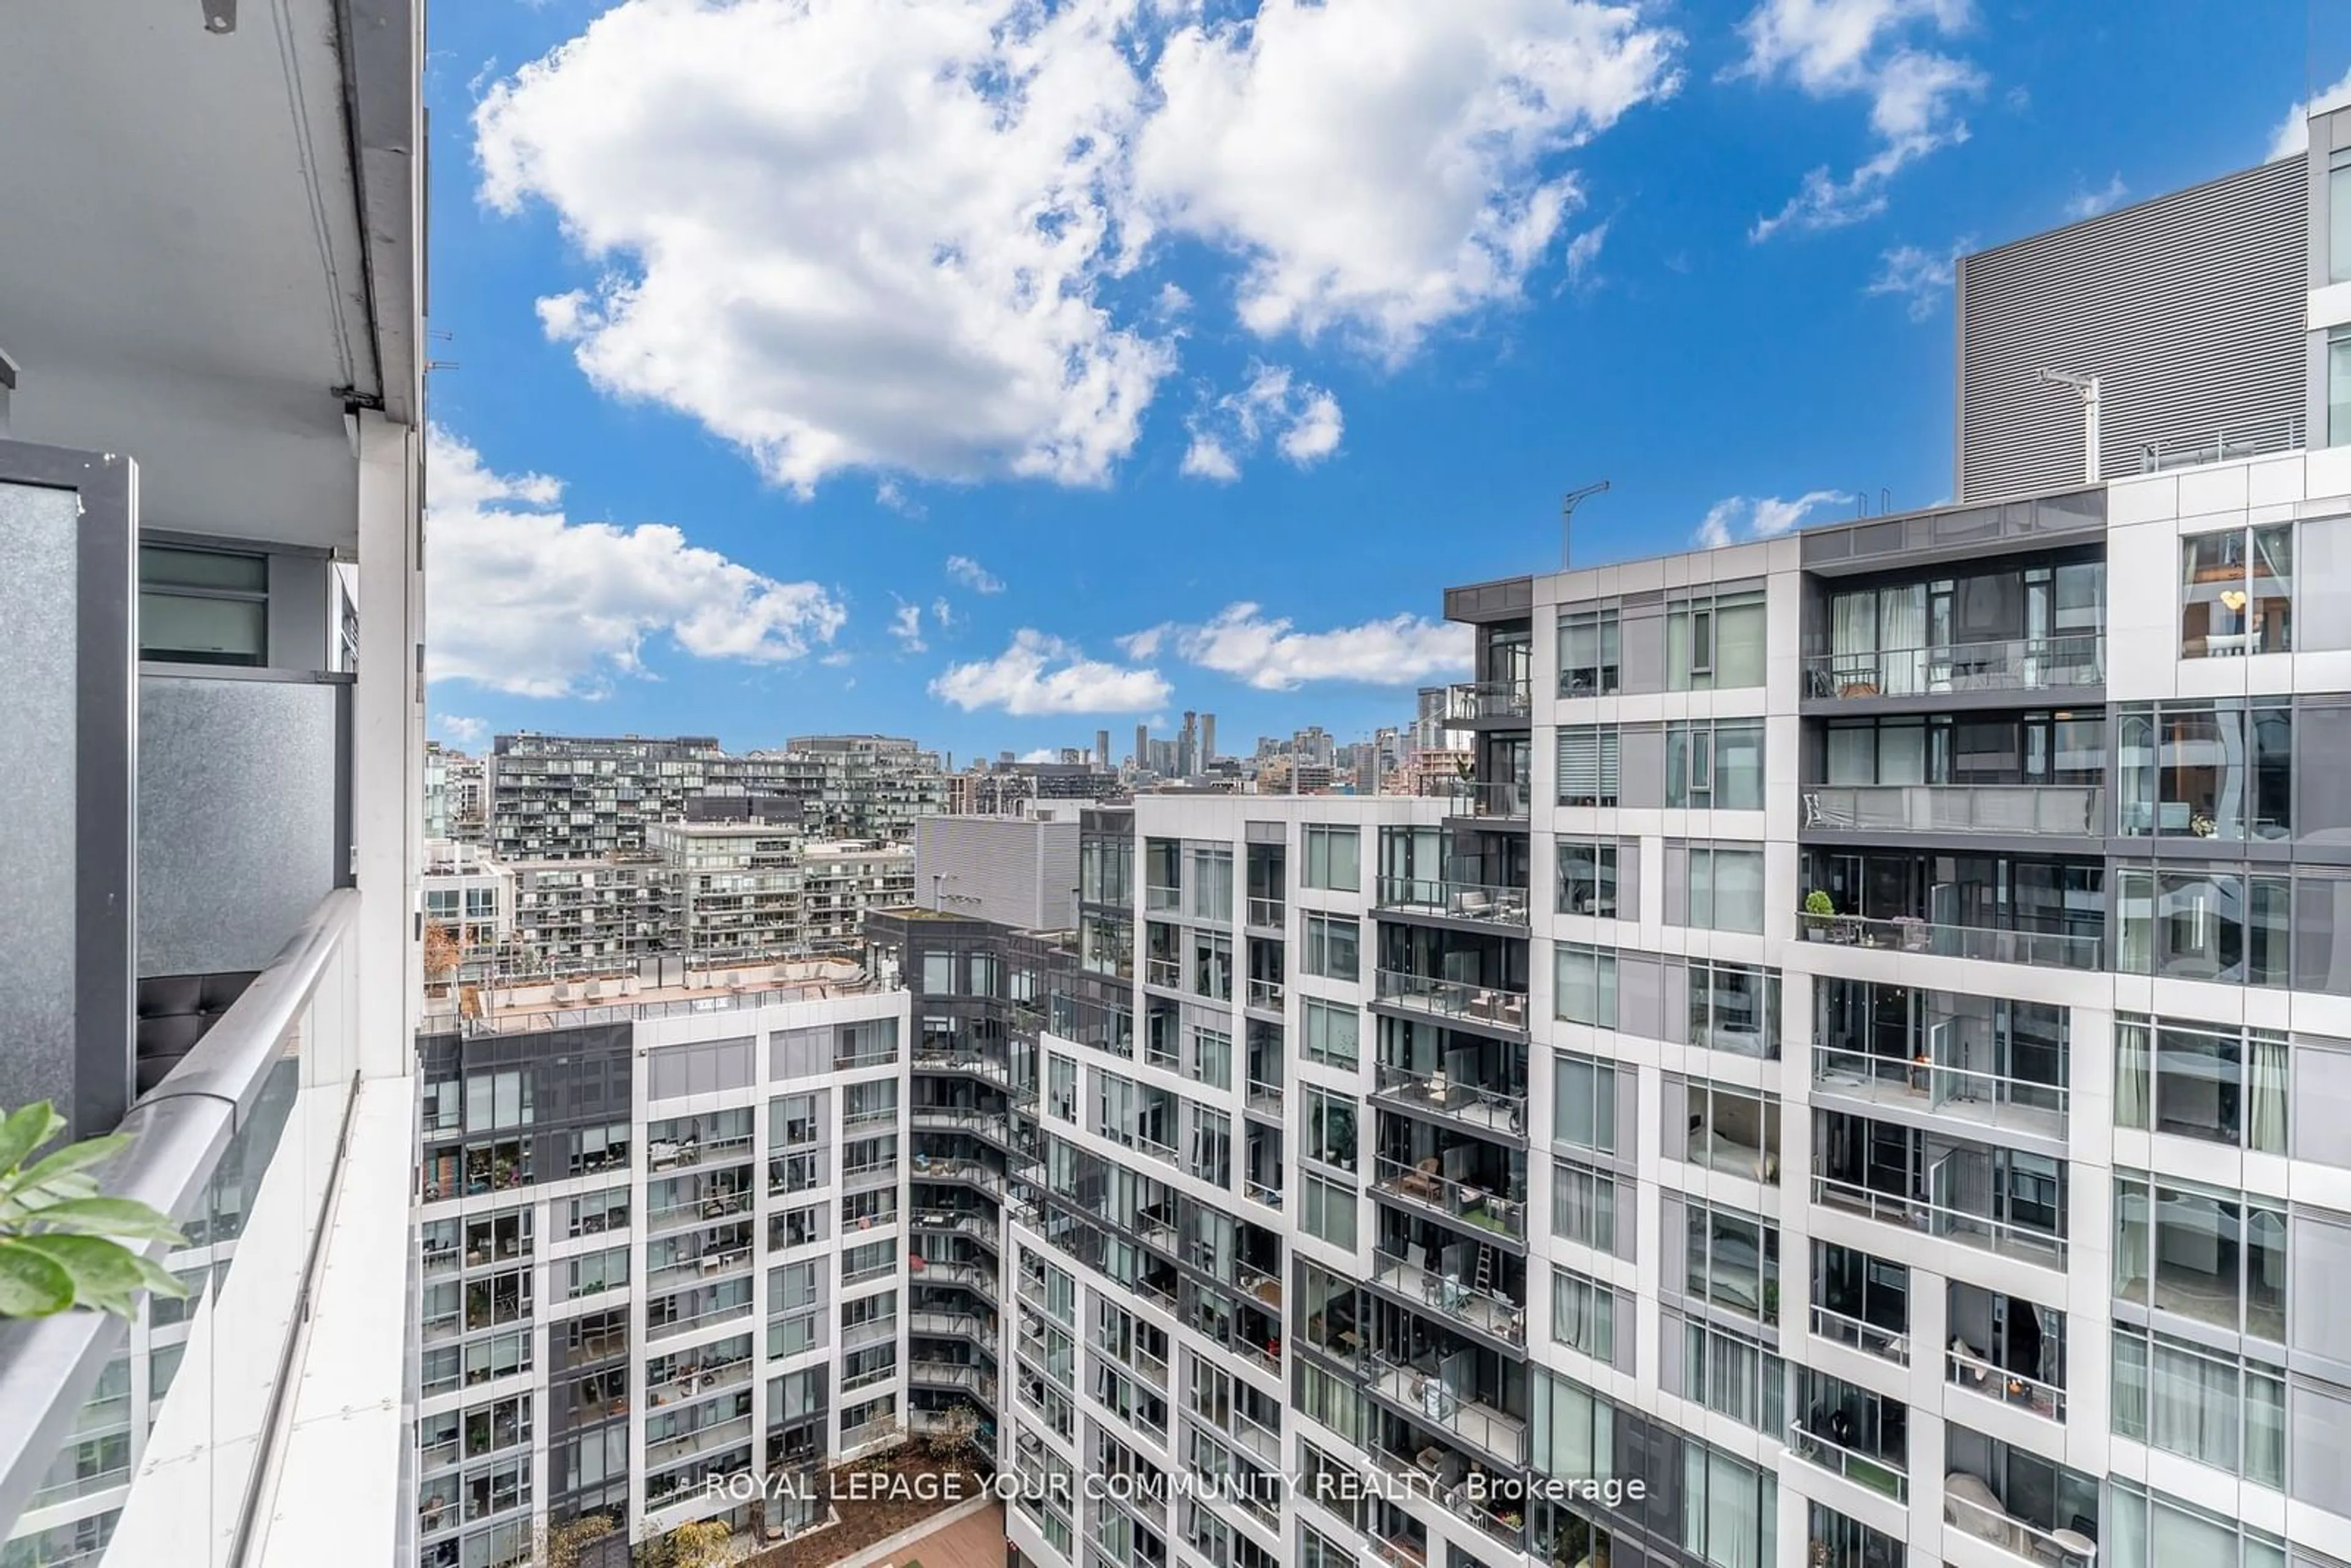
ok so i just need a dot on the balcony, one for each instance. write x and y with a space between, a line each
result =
1476 702
1436 1094
1989 1099
1492 1432
1879 1474
1453 900
1483 1007
2077 811
1888 1344
1473 1206
1985 944
2030 1243
1265 995
1266 913
1489 1311
2074 663
1496 802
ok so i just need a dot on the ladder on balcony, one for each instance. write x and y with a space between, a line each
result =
1485 1276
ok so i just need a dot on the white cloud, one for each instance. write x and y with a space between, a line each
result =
1759 518
891 493
1832 48
1269 654
1039 674
1304 421
1040 753
1384 165
2292 135
1920 277
525 600
1584 249
2087 203
973 575
879 234
460 729
906 625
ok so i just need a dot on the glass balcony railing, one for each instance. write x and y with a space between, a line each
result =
2074 809
1879 1474
1452 998
1266 913
2027 1243
1988 1099
1455 900
1434 1093
1891 1344
1505 801
2012 664
1491 699
1492 1432
1971 1374
1489 1310
248 1145
1987 944
1504 1214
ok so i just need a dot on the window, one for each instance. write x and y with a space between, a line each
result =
2221 1085
1212 965
1330 1211
1733 1260
1212 1058
1330 1033
1331 1129
1587 880
1590 651
2237 591
1575 1432
1714 764
2148 1530
1735 1007
1584 1208
1583 1316
2338 386
2338 215
2202 924
1731 1510
1723 889
1332 860
1583 1103
594 1272
2217 1409
203 607
1212 884
1212 1146
1587 765
2205 770
1332 942
2212 1256
1586 985
1714 640
1730 1372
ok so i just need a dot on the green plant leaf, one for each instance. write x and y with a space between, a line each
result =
105 1274
27 1129
123 1219
32 1285
160 1280
68 1161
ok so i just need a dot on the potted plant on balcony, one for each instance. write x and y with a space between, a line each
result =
1820 913
62 1243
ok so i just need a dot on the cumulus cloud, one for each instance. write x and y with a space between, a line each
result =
1834 48
1040 753
461 730
526 601
1303 420
1270 653
2087 203
1040 673
884 234
1921 278
2292 135
906 625
1736 517
973 575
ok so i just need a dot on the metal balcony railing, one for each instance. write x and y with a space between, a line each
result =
1503 1214
1455 900
1889 1344
1499 1436
1267 913
2009 664
2225 443
1974 1374
1987 944
1987 1099
1489 1310
2077 810
1879 1474
1487 1110
1263 995
1505 801
2027 1243
1491 699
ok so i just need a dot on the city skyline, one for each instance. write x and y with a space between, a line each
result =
630 528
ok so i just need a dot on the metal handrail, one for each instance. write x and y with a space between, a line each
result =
2072 809
179 1130
2008 664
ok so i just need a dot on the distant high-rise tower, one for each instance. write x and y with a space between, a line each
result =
1207 740
1142 748
1101 750
1188 746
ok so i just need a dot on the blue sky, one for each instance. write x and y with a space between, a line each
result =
994 372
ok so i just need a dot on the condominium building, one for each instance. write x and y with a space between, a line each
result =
661 1239
732 887
842 883
211 443
868 786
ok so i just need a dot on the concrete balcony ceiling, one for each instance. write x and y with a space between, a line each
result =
208 242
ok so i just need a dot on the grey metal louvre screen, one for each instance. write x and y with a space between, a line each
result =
2190 309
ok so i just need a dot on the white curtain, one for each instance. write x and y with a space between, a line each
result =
2130 1074
1902 633
2192 1408
1733 1525
2264 1430
2265 1075
1852 633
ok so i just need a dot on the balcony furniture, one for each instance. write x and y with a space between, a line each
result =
1423 1182
1971 1505
2073 1543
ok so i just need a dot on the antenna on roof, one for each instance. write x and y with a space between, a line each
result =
1567 506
